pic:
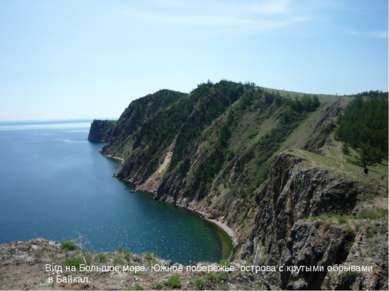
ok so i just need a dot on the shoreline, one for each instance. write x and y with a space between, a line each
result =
223 226
116 158
228 230
203 215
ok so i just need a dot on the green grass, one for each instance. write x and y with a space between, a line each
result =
125 254
136 286
157 286
68 245
216 280
301 134
122 256
351 222
332 218
336 161
373 214
101 258
199 283
73 262
174 282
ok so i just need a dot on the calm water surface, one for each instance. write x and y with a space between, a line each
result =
55 184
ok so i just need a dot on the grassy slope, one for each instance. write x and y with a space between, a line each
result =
333 157
301 134
345 165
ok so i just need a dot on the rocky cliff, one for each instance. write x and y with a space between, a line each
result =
265 163
308 216
101 130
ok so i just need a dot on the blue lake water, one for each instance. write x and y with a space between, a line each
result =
55 184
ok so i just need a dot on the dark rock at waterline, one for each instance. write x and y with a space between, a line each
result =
101 130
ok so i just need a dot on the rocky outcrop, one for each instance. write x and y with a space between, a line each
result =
293 227
370 248
101 131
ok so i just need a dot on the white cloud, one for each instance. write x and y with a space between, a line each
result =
242 15
261 7
379 34
273 6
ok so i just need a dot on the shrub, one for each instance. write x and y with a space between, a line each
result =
224 263
157 286
136 286
199 283
212 280
174 282
68 245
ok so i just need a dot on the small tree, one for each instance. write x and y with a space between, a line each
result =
368 155
346 149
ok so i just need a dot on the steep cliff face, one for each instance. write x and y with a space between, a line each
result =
211 137
208 150
295 226
101 130
266 164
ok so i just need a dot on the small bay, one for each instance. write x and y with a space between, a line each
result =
56 185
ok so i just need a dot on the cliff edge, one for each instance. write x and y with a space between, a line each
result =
270 165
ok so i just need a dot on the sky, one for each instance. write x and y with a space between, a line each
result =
65 59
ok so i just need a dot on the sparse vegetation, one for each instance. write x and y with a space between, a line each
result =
69 245
344 165
157 286
216 280
136 286
174 282
333 218
119 258
199 283
101 258
350 220
372 213
73 262
150 257
212 280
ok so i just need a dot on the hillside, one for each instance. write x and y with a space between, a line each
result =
270 165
